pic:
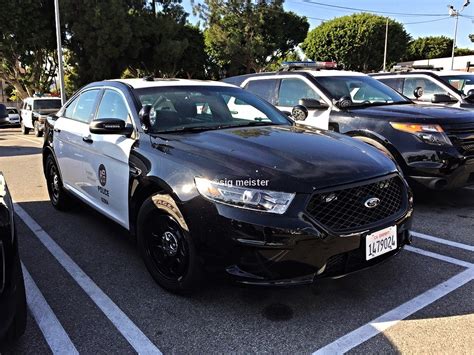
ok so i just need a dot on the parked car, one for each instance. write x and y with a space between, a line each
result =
4 121
34 112
432 145
433 87
13 116
12 288
205 187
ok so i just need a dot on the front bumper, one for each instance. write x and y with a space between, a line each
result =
268 249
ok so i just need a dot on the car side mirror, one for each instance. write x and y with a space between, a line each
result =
299 113
110 126
147 116
442 98
418 92
313 104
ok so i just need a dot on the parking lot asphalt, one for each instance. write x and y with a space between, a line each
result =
94 293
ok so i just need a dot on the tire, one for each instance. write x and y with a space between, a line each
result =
24 129
166 247
18 326
58 196
38 132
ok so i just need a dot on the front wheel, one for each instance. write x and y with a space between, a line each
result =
24 129
58 196
167 249
38 131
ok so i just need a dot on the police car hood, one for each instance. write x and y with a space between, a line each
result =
416 113
291 158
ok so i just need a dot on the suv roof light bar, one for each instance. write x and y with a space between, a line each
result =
407 68
287 66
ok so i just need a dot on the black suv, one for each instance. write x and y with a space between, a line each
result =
433 145
204 185
12 288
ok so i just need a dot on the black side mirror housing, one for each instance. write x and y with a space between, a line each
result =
299 113
442 98
312 104
418 92
470 95
147 116
110 126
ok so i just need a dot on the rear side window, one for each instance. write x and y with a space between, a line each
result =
265 88
394 83
429 88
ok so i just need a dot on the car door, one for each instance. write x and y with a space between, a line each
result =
107 160
27 114
70 130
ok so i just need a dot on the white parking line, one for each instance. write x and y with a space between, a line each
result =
442 241
445 258
52 330
124 325
389 319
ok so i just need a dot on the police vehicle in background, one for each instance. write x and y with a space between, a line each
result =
12 288
34 112
433 145
205 186
425 84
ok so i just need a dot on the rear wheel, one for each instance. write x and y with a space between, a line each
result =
58 196
24 129
38 131
167 249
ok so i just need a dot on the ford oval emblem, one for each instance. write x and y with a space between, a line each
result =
372 202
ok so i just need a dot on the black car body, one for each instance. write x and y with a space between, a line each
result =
12 289
433 145
4 121
182 174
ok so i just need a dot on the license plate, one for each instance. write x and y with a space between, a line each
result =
380 242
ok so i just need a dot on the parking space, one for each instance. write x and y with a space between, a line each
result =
99 297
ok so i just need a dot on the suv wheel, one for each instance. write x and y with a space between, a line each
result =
58 196
167 249
38 132
24 129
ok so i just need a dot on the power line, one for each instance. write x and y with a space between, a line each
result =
311 2
415 23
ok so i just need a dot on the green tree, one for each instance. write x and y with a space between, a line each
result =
27 43
357 41
246 36
463 51
429 48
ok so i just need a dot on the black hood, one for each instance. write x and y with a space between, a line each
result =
292 159
417 113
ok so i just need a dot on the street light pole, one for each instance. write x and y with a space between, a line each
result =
386 45
454 39
60 52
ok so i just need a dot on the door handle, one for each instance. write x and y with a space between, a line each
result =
87 139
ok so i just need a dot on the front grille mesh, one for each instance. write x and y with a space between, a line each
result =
344 210
462 137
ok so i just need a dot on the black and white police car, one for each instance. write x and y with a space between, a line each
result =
204 186
425 85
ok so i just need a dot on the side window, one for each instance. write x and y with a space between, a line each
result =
429 88
265 88
294 89
112 106
28 107
84 109
394 83
70 108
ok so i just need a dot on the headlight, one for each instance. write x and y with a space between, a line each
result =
250 199
428 133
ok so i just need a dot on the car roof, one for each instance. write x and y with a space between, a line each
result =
424 71
146 83
43 98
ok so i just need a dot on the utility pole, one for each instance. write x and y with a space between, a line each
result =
455 13
60 52
386 45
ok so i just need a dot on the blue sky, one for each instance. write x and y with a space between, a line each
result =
444 25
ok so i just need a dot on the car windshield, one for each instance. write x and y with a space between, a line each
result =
46 104
361 90
12 111
198 108
463 83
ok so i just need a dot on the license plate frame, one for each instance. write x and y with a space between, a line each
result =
381 242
